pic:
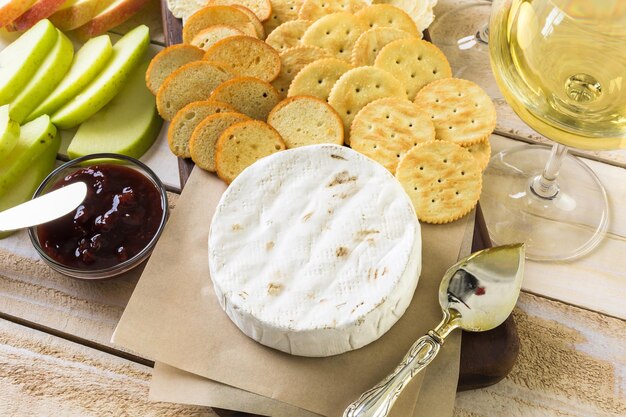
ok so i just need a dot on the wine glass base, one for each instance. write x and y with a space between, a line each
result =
562 228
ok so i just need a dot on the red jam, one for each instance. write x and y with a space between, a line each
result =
118 218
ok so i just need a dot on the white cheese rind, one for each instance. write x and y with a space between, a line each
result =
315 251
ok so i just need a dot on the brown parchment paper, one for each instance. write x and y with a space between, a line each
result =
174 317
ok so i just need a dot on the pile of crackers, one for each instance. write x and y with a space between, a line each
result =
329 71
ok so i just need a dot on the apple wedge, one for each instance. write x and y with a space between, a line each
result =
117 13
12 9
128 125
38 11
75 13
9 133
19 60
127 54
43 82
88 62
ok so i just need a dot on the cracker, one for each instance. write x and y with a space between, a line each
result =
167 61
258 26
420 11
315 9
242 144
481 151
191 82
388 16
250 96
317 78
361 86
442 179
183 124
204 138
414 62
304 120
387 128
261 8
210 36
288 35
369 44
217 15
460 110
246 56
335 33
292 61
282 11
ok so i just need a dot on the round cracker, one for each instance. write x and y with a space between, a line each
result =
210 36
282 11
288 35
187 119
250 96
442 179
217 15
388 16
304 120
335 33
369 44
387 128
317 78
246 56
258 26
358 87
460 110
204 137
292 61
481 151
167 61
242 144
315 9
421 11
414 62
262 9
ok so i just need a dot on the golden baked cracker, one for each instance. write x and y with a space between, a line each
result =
304 120
246 56
387 128
288 35
421 11
318 78
369 44
460 110
242 144
204 137
210 36
258 26
335 33
315 9
261 8
292 61
442 179
414 62
217 15
183 124
249 95
481 151
282 11
167 61
358 87
386 15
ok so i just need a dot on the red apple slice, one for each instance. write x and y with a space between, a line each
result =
117 13
12 9
75 13
40 10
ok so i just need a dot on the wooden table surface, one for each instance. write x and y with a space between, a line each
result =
56 357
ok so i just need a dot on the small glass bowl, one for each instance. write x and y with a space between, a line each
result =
83 162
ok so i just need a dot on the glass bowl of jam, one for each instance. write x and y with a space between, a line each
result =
117 225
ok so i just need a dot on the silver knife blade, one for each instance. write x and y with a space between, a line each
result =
43 209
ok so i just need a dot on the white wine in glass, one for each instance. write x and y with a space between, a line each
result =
561 65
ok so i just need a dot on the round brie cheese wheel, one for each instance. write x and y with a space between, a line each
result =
315 251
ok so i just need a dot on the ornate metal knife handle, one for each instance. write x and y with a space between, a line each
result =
377 401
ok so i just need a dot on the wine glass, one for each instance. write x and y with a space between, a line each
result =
561 65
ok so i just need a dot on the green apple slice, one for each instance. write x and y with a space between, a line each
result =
127 53
88 62
9 133
48 75
20 60
128 125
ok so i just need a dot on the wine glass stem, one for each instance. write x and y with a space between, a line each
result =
545 185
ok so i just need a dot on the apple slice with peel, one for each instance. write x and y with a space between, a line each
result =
128 125
48 75
12 9
117 13
9 133
20 60
40 10
127 54
75 13
88 62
